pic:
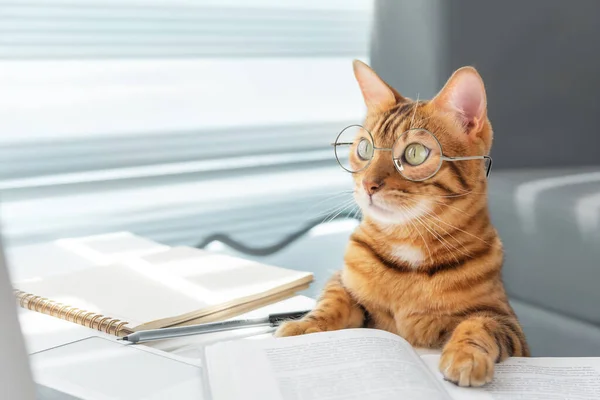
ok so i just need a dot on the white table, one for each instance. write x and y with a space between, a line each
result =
43 332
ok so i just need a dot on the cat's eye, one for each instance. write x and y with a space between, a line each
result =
416 154
364 149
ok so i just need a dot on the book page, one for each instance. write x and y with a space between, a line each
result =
532 379
352 364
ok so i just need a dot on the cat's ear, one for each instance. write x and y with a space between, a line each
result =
378 95
464 96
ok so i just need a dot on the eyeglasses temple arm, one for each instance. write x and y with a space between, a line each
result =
489 167
488 158
463 158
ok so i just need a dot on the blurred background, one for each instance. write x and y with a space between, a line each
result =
208 123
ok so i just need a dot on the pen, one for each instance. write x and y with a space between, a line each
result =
166 333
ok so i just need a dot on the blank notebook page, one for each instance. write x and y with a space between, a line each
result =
161 285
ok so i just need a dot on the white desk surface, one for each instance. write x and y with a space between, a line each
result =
43 332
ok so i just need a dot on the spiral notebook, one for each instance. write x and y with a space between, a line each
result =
167 287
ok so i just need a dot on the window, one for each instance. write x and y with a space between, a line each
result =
174 119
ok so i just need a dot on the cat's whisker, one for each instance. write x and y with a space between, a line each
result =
417 203
423 220
329 195
404 197
356 212
337 214
443 240
404 208
460 191
458 229
335 197
450 206
331 198
450 195
343 208
436 195
330 212
466 252
435 234
327 212
352 212
337 207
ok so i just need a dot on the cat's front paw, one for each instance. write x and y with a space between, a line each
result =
295 328
466 365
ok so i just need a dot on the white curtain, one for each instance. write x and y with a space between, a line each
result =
174 119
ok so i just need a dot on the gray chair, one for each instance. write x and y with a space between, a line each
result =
549 221
540 65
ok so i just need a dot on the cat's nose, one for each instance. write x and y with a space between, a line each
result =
371 186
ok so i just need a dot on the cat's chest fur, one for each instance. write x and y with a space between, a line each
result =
399 302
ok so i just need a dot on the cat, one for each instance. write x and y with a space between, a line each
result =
425 261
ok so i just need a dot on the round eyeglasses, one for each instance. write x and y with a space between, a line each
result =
416 154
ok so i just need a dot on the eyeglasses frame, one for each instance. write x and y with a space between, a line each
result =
400 168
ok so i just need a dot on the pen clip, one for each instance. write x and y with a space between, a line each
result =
276 319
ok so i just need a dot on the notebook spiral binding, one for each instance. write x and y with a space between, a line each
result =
88 319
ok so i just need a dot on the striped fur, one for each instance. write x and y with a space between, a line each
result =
447 293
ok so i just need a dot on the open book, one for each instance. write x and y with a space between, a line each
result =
357 364
136 284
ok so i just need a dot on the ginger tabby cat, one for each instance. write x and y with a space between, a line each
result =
425 261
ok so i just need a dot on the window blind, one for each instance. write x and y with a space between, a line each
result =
173 119
133 29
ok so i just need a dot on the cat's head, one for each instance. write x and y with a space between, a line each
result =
457 119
